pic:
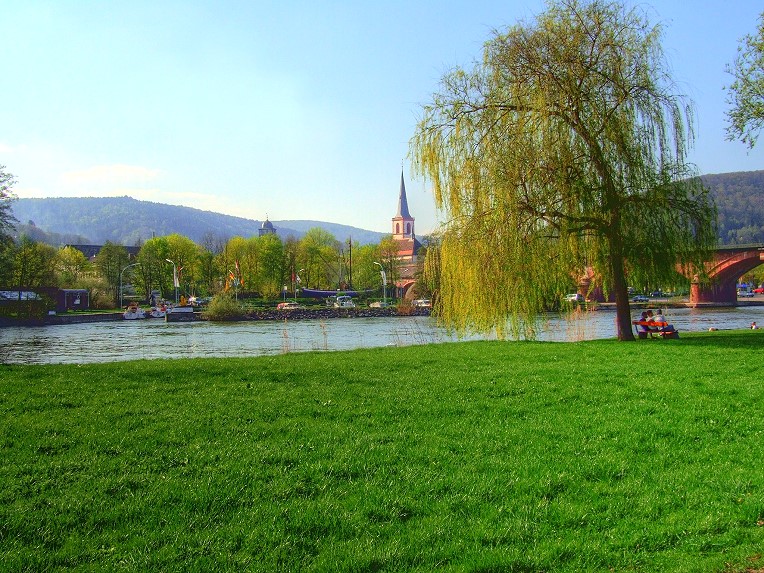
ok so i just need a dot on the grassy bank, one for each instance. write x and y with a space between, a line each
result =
477 457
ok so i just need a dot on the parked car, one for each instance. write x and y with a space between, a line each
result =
287 306
759 290
574 297
422 303
379 304
640 298
744 293
344 301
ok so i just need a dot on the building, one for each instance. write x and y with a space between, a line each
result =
91 251
267 228
408 245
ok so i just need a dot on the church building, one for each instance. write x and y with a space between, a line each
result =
405 238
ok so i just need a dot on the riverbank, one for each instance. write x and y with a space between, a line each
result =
598 456
269 315
327 313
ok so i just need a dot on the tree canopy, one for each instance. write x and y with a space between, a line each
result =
562 151
7 181
746 93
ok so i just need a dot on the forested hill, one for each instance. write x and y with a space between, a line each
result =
127 221
740 200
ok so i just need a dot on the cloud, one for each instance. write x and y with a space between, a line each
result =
8 148
110 175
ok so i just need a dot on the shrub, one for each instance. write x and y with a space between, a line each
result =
224 307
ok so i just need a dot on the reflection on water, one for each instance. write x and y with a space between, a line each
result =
156 339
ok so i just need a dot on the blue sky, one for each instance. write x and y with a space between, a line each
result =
290 109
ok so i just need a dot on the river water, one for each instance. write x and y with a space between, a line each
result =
155 339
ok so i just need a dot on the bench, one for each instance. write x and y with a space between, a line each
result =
654 328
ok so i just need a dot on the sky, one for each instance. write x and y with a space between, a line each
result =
283 109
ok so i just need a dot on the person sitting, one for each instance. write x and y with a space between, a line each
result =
642 328
659 318
753 326
651 319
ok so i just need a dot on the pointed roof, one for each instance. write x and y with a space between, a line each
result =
403 204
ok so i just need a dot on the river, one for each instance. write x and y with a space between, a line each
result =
155 339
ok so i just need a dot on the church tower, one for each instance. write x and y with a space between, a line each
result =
403 231
403 222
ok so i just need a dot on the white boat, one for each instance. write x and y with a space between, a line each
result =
180 314
158 311
134 312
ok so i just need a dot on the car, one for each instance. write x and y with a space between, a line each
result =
379 304
422 303
759 290
344 301
574 297
287 306
640 298
744 293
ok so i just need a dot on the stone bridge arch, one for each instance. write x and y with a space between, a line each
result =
729 264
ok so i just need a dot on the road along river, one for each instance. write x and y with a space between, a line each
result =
153 339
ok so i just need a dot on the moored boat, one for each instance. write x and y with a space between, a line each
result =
133 312
158 311
180 314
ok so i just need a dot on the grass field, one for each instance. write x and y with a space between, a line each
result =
481 457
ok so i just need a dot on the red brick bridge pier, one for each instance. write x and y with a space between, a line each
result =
727 266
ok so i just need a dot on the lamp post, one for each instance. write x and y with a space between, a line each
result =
384 282
174 279
120 281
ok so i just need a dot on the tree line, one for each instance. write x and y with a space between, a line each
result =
263 266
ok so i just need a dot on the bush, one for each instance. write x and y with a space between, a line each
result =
224 307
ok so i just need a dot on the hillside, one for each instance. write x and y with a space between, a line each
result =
740 200
127 221
123 220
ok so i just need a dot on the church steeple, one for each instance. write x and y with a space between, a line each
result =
403 222
403 204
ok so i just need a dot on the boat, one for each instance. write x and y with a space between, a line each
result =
181 313
315 293
158 311
133 312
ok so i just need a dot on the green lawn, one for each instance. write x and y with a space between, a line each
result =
483 457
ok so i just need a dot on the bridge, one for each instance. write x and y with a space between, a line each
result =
723 271
726 267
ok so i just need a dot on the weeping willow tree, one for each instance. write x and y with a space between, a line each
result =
563 151
746 94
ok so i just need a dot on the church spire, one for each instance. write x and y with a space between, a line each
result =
403 222
403 204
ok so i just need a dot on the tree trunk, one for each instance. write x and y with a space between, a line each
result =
621 291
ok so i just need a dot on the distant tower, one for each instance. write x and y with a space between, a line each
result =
403 232
267 228
403 222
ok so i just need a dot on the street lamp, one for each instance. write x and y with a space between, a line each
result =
174 278
120 281
384 282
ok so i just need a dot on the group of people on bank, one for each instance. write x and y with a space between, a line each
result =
651 324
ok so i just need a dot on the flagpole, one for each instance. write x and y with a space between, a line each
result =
174 278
